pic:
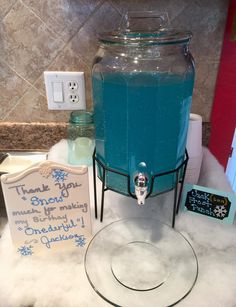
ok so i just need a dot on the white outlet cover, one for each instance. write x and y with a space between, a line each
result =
61 100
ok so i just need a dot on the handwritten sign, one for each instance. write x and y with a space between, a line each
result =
212 203
48 207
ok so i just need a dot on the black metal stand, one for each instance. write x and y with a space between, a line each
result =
178 188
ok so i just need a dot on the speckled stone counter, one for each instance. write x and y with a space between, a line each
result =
30 136
42 136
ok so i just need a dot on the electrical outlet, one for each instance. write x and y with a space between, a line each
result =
72 85
65 90
74 98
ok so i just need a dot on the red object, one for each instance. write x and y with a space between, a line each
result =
223 117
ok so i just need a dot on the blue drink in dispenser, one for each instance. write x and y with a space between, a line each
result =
142 90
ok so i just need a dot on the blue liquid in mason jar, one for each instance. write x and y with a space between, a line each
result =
141 124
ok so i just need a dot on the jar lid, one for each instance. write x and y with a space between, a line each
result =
163 36
81 117
145 28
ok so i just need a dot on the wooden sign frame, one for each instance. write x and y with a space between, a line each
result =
48 207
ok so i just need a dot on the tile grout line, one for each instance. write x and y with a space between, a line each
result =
180 12
56 37
78 29
38 91
8 10
24 93
32 85
121 13
43 22
17 103
28 82
9 66
67 43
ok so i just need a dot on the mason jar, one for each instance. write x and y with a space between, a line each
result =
80 138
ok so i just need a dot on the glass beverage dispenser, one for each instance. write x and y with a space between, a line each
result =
143 80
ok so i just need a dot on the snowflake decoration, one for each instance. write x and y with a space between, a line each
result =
80 241
45 171
59 175
25 250
220 211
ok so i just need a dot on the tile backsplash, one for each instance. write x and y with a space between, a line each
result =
62 35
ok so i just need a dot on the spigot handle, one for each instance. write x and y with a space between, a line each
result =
141 186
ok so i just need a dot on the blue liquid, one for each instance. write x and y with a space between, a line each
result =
141 124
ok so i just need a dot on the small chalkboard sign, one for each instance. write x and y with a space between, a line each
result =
48 207
209 202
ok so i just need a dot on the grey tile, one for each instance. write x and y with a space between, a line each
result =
85 42
26 43
12 87
5 5
33 108
64 17
204 89
206 19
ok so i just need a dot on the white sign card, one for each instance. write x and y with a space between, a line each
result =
48 207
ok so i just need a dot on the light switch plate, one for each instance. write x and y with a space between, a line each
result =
65 90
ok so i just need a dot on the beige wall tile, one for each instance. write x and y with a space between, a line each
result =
5 6
26 43
206 20
204 89
85 42
12 87
33 105
64 17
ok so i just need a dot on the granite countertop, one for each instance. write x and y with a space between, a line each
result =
42 136
61 280
30 136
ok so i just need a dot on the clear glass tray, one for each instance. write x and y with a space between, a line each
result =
141 262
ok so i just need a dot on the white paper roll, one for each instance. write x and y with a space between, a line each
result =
194 148
194 139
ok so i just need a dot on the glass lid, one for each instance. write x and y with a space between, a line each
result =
139 261
163 36
145 28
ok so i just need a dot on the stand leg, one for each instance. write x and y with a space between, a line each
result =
181 187
103 191
95 189
175 199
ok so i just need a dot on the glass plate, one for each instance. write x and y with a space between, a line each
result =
141 262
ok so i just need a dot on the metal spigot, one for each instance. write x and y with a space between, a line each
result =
141 187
